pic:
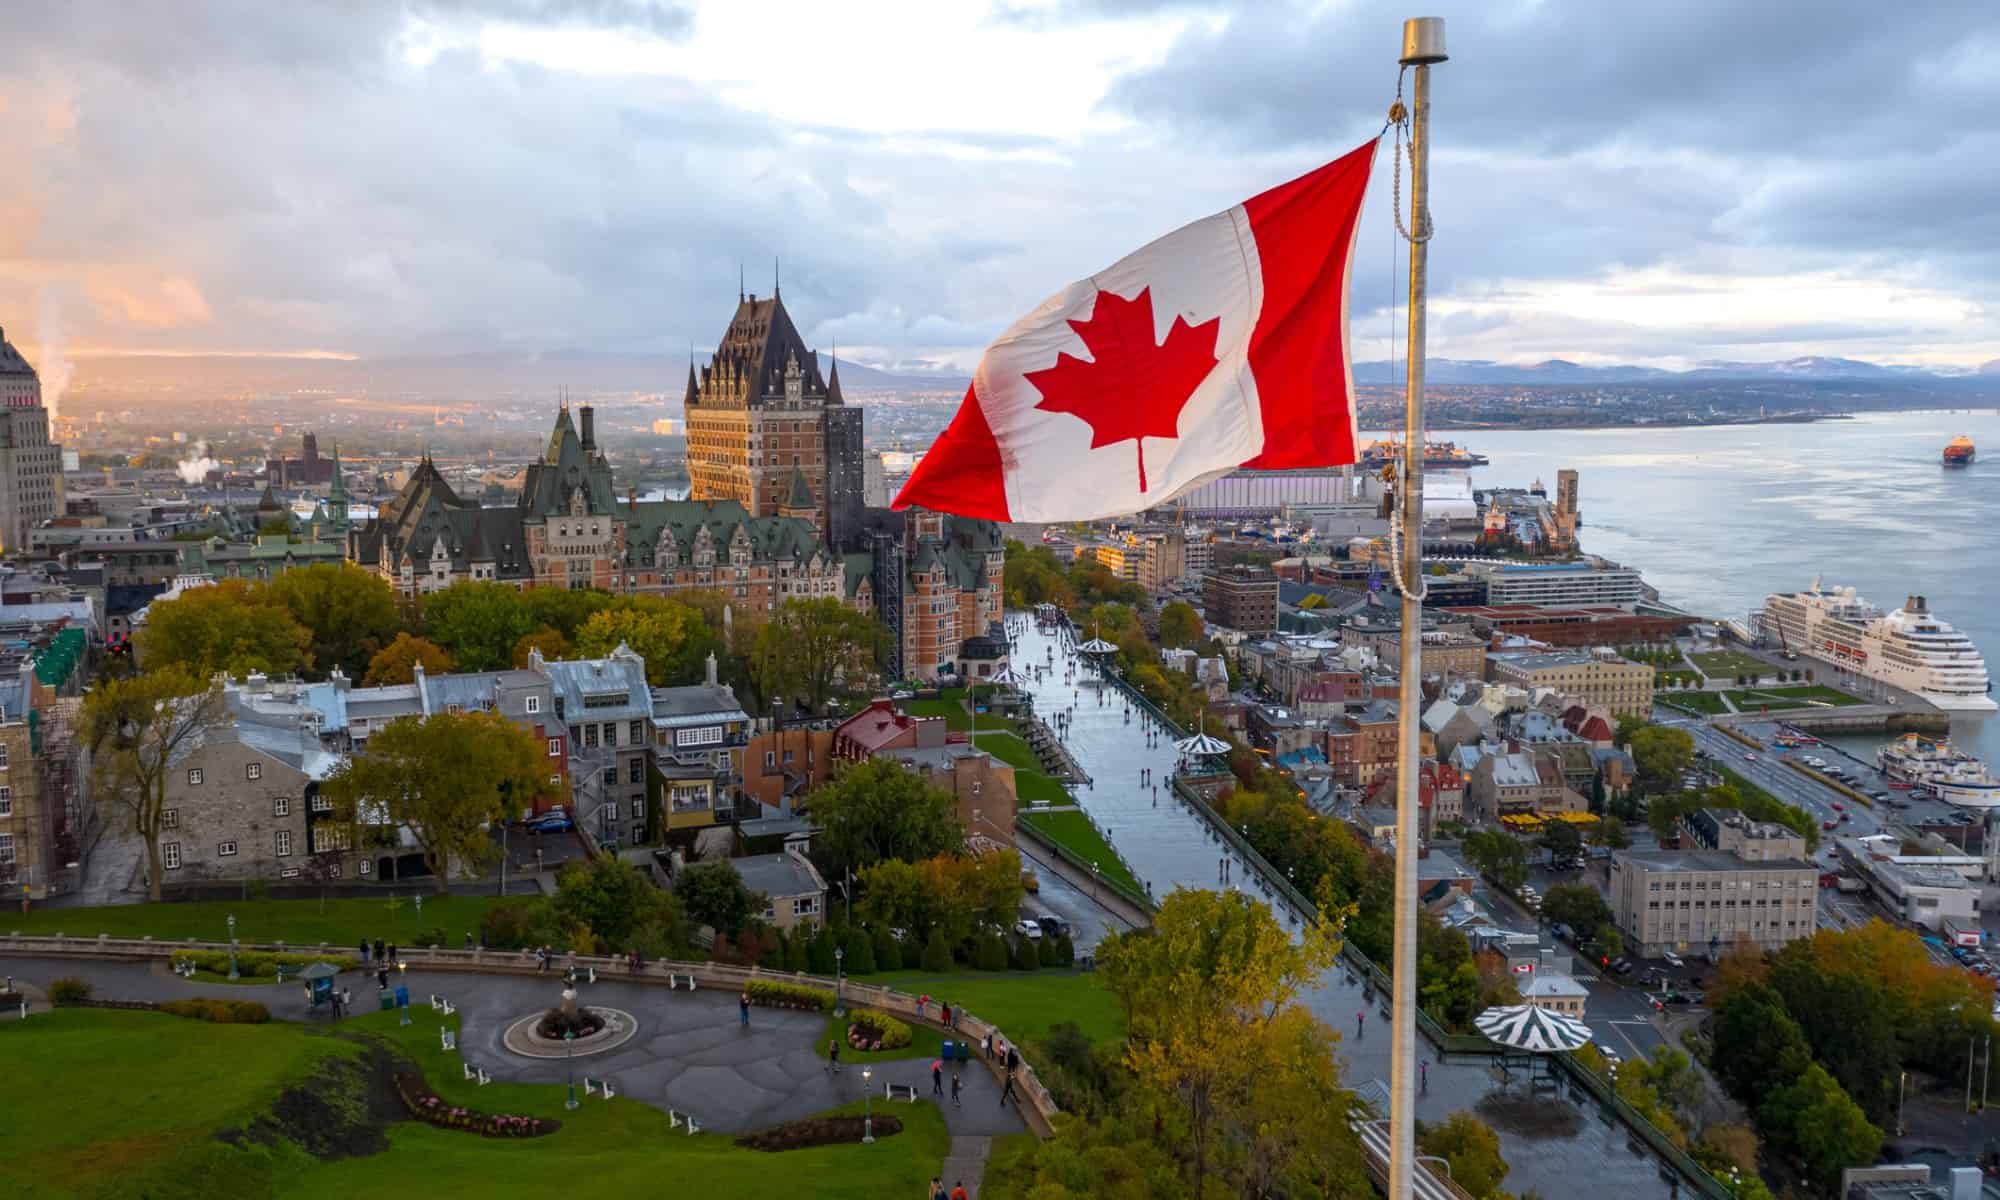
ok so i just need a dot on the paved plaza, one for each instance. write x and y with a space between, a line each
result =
691 1052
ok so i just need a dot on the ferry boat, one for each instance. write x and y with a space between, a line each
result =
1958 452
1909 648
1436 455
1934 767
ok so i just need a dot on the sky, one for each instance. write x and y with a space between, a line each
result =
1659 184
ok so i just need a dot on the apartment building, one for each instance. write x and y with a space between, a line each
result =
1241 598
1600 679
1702 901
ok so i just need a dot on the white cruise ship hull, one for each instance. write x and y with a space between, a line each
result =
1973 704
1909 648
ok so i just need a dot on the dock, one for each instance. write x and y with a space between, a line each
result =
1853 718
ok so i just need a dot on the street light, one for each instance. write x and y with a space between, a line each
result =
569 1058
867 1116
232 948
839 981
403 973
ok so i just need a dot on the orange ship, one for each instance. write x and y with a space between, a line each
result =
1958 452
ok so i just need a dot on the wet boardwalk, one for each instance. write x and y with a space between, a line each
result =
1554 1148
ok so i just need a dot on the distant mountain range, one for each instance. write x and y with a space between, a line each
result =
1561 372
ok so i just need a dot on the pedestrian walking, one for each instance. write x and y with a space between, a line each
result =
959 1193
364 951
1013 1060
378 948
986 1046
946 1013
743 1009
1424 1078
392 952
956 1083
1359 1018
937 1190
382 976
468 939
1007 1092
833 1055
937 1077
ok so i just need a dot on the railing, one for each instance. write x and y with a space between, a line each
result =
1042 839
1038 1107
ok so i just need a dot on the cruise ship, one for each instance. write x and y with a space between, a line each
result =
1909 648
1933 767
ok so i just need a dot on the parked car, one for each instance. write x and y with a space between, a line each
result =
1562 931
1028 929
1622 965
1053 926
1673 960
556 820
1827 824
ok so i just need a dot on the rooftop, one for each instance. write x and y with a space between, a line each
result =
1705 860
778 874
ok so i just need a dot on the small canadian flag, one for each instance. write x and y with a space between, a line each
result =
1221 345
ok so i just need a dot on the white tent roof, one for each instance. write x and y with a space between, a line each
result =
1537 1030
1202 743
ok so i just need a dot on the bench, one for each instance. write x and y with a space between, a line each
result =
598 1087
677 1118
441 1005
471 1072
675 981
899 1091
448 1038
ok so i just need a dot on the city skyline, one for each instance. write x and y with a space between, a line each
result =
1672 188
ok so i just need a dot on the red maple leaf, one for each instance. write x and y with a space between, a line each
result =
1129 388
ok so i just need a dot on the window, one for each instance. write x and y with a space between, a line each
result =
194 776
610 810
555 781
638 771
170 818
284 843
555 747
707 735
330 837
590 737
170 856
225 849
321 803
638 732
805 906
3 756
281 806
770 759
6 801
253 770
610 776
534 704
452 710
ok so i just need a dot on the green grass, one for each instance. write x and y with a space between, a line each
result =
954 714
340 923
1024 1004
1708 703
1031 783
1798 696
924 1041
1730 663
126 1105
1074 831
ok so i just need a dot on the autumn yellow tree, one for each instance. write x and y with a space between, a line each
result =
1211 993
397 662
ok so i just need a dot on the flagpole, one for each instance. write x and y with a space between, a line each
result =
1423 44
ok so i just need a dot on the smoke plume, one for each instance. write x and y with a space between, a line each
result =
54 368
196 466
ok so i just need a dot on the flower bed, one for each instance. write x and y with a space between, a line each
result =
259 963
817 1131
218 1012
871 1030
426 1106
772 994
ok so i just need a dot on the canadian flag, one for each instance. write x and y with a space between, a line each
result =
1221 345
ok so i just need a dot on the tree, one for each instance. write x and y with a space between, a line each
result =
888 953
937 953
1611 832
1561 839
879 809
615 902
397 662
442 779
1610 943
1758 1047
1662 753
1813 1119
1472 1149
714 894
478 623
809 647
1577 905
349 612
223 628
1202 989
138 729
1497 855
660 632
1627 726
552 645
1180 625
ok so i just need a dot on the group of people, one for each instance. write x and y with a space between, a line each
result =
937 1192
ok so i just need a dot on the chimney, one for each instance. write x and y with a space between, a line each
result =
589 428
711 668
631 499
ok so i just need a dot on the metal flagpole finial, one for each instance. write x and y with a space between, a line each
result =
1423 41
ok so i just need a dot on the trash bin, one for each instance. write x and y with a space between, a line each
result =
965 1052
950 1053
388 1000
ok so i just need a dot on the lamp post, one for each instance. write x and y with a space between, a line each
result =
867 1115
232 948
839 981
403 973
569 1060
420 905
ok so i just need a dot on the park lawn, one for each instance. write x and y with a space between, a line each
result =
1818 693
925 1042
1708 703
615 1149
341 923
1024 1004
1031 783
1728 664
127 1103
953 712
112 1103
1073 831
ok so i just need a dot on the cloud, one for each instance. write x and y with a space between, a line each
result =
393 176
